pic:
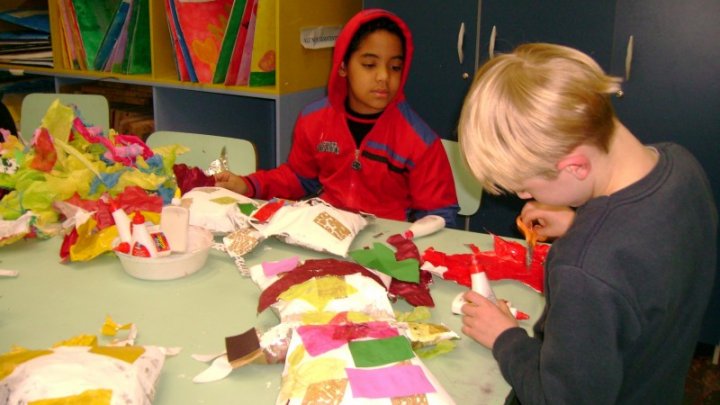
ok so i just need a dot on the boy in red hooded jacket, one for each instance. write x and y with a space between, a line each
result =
363 148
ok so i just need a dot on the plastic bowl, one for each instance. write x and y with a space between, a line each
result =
174 266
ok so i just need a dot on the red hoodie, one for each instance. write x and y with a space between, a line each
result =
404 172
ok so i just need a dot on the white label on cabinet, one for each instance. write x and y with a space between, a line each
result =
319 37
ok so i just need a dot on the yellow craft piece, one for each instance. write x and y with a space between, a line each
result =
79 340
324 317
296 356
224 200
76 154
319 291
110 328
127 354
147 181
9 361
314 371
58 120
89 397
91 244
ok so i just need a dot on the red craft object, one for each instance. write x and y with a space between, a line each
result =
308 270
264 213
190 177
45 153
505 261
416 294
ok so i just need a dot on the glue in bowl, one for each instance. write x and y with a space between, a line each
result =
174 266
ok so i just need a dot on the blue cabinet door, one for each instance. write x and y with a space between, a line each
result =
438 81
673 93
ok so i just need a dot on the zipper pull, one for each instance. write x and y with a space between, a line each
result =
356 165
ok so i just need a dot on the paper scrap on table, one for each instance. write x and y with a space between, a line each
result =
243 348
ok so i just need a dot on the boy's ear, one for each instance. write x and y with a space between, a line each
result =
342 70
577 164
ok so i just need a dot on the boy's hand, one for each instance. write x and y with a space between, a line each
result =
548 221
485 321
231 181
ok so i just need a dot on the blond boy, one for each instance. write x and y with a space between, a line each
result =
627 284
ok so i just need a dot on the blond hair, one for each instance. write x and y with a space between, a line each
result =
528 109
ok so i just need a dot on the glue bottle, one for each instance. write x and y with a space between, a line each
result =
141 243
175 222
122 222
425 226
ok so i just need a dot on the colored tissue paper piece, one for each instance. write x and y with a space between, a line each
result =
281 266
267 210
247 208
389 382
319 339
382 258
189 178
379 352
243 348
319 291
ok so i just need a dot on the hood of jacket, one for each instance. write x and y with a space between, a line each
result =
337 85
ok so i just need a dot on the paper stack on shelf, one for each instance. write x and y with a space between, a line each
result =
27 40
224 41
105 35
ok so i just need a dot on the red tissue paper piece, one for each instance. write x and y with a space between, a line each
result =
190 177
505 261
308 270
416 294
69 240
264 213
45 153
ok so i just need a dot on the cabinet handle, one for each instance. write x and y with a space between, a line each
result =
628 57
491 45
460 40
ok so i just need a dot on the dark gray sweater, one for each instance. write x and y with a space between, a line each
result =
626 289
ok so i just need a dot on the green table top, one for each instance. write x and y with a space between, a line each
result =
49 302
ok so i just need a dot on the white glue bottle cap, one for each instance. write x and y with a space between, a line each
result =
425 226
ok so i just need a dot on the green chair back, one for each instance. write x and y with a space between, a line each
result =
93 109
469 191
240 153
